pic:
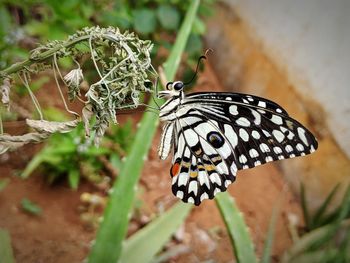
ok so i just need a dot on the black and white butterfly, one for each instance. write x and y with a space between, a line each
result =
216 134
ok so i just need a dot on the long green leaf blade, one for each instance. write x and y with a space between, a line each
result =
317 218
114 226
6 254
145 243
237 229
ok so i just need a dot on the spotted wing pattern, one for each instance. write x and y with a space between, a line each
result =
221 133
200 168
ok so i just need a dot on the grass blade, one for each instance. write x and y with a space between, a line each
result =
114 226
6 254
317 236
266 256
237 229
145 243
317 218
304 207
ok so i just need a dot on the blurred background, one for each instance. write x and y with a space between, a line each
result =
295 53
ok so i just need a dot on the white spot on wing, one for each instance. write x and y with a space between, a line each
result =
204 196
300 147
243 122
233 168
243 134
268 159
203 178
253 153
262 104
183 178
301 133
233 110
257 117
289 148
278 135
277 149
193 187
276 119
264 148
256 135
242 159
180 194
231 135
215 178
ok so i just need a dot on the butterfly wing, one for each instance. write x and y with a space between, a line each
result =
264 130
220 133
200 169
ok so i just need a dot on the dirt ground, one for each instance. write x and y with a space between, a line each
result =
59 236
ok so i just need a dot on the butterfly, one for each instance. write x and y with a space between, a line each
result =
215 134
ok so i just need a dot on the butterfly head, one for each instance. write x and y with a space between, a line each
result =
173 89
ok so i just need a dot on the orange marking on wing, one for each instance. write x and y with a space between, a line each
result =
175 169
194 174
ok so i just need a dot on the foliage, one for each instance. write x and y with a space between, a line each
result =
30 207
238 231
327 235
116 216
145 243
25 23
71 155
6 253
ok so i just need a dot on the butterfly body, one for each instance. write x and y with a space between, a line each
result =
215 134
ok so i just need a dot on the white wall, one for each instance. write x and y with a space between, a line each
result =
311 39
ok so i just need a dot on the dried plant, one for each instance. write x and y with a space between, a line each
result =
124 70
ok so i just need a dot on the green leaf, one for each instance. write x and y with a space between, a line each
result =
32 165
114 226
314 239
237 229
266 256
30 207
168 17
6 253
144 21
147 242
319 256
317 218
73 178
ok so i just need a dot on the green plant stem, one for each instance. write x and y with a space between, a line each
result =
111 234
39 57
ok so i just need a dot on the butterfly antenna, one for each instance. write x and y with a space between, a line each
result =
197 68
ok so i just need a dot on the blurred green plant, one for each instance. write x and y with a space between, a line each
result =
30 207
71 155
4 183
6 252
26 22
326 237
